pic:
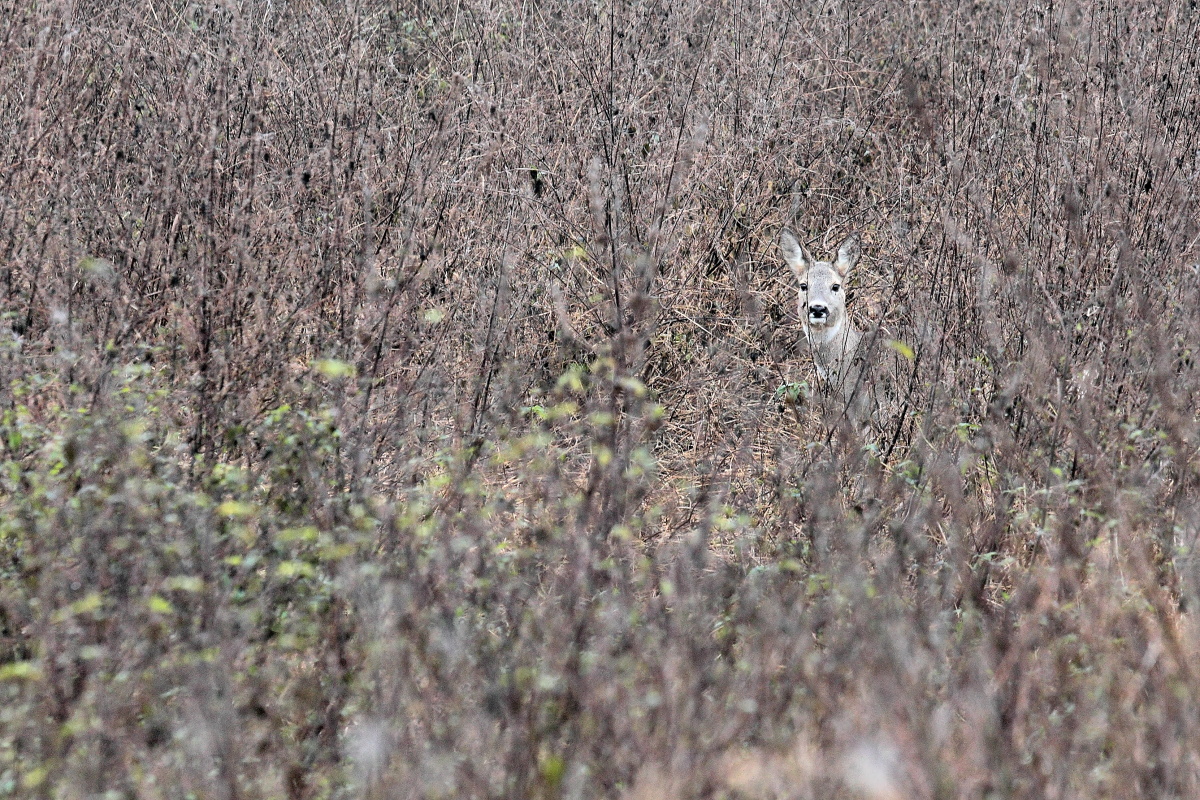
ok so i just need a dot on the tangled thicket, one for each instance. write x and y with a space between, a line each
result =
409 401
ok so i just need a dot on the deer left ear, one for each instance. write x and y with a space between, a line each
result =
847 255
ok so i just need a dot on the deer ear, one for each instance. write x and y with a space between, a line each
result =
794 253
847 255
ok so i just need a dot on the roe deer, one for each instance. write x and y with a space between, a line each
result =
831 334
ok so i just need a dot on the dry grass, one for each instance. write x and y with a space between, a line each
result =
407 401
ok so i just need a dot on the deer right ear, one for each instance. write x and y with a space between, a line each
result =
794 253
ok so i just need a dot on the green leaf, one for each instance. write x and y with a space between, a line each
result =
334 369
295 569
184 583
901 348
160 605
552 769
34 778
236 509
306 533
88 604
20 671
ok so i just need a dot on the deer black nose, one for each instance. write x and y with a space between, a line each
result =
818 311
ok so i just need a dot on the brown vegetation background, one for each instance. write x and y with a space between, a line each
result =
409 400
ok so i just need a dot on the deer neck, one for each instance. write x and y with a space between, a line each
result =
833 347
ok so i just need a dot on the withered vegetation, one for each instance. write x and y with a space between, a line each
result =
409 400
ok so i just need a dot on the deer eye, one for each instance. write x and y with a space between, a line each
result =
804 287
837 286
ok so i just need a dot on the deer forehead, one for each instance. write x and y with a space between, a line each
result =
821 277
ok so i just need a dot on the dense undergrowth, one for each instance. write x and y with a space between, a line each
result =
409 401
